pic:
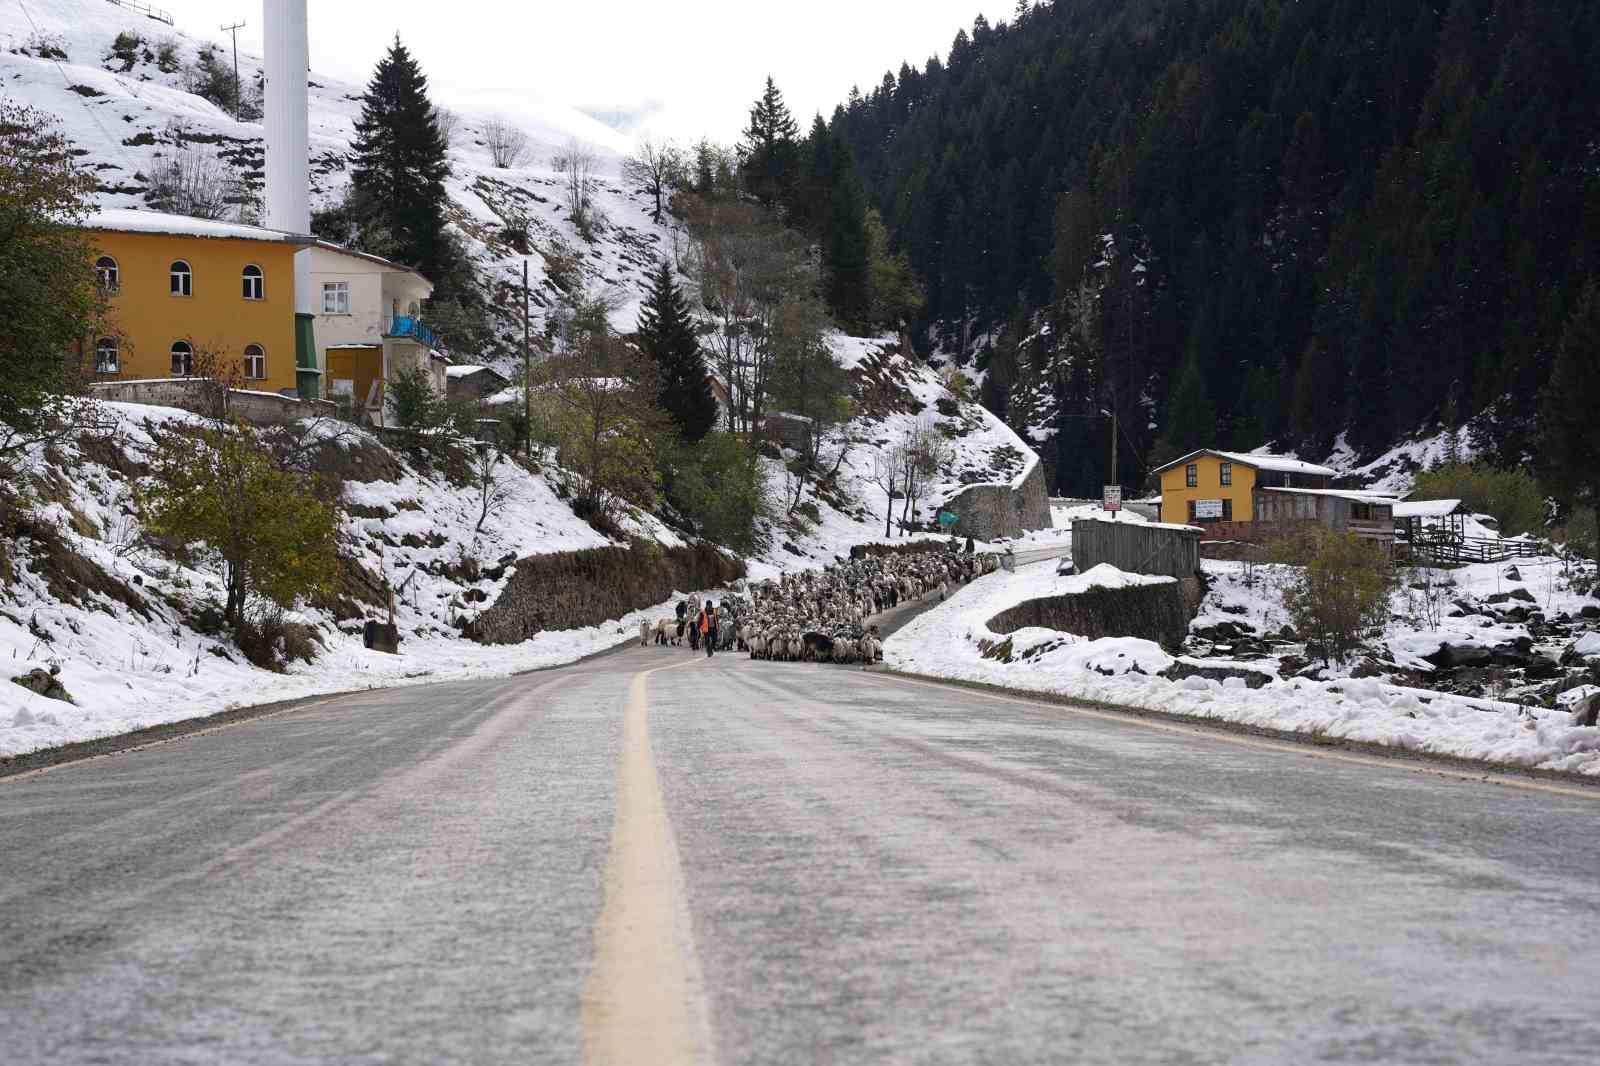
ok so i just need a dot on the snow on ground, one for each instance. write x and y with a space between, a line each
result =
127 668
945 643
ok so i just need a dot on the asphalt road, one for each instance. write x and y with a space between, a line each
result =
758 863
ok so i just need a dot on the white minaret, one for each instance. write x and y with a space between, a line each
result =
288 60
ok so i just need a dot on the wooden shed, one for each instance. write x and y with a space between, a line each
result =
1136 547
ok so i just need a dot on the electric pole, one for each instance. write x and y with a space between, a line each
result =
238 92
527 369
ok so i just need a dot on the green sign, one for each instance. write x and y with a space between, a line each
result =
947 519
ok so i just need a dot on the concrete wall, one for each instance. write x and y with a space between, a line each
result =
989 512
191 394
1159 612
570 590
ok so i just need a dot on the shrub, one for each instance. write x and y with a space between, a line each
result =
413 399
274 534
1511 497
718 485
1341 597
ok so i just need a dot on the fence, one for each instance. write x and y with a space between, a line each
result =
1136 548
1462 550
146 10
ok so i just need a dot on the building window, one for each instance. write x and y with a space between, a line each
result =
1227 473
182 278
105 269
255 285
255 362
1192 475
336 297
182 359
107 356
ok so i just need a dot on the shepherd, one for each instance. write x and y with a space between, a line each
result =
708 628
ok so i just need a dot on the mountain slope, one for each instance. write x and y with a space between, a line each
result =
1356 215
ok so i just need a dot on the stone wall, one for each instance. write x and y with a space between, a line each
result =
570 590
1160 612
989 512
201 397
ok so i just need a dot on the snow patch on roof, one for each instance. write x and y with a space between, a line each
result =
130 220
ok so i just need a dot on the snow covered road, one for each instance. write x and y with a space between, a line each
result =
855 868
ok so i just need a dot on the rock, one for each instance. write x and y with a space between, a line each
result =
1515 594
1287 633
1252 678
1543 668
1589 611
1290 665
1513 574
381 636
43 682
1587 711
1370 667
1453 656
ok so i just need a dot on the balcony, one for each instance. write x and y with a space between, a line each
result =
410 326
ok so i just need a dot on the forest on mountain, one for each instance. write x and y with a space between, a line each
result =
1238 221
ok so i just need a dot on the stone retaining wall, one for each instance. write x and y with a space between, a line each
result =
202 397
989 512
571 590
1160 612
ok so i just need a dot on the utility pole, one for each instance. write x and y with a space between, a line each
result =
238 92
527 369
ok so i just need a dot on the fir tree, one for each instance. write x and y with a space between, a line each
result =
846 255
400 165
1570 447
770 150
666 335
1191 417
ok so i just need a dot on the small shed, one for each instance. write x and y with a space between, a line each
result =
473 383
1368 515
1136 547
1430 521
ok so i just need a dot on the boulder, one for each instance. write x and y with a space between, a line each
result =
1515 594
1587 711
1453 656
1252 678
1542 668
1513 574
381 636
44 683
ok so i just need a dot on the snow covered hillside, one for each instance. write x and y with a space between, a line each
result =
121 84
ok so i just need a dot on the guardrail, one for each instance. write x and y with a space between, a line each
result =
146 10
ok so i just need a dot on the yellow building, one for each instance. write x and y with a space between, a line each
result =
1211 486
186 292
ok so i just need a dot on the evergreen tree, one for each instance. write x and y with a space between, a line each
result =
770 151
666 335
1191 416
399 167
846 254
1569 444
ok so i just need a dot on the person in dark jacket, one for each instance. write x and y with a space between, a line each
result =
708 628
683 616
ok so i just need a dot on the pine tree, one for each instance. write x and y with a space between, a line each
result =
666 335
400 165
846 255
770 149
1569 445
1191 417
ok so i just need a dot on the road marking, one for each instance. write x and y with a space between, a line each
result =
644 1001
1396 762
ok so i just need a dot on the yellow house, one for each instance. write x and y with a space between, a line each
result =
1211 486
184 293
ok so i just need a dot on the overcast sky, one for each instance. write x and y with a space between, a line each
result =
699 63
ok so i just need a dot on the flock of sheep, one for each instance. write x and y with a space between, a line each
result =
823 615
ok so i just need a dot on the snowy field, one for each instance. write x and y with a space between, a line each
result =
945 643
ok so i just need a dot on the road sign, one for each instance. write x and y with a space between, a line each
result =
947 519
1113 498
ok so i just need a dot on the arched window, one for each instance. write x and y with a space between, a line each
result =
105 268
182 278
182 359
255 362
255 286
107 356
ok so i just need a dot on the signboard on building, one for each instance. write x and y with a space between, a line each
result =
946 519
1211 509
1112 500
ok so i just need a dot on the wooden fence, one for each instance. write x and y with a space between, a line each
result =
1135 548
1462 550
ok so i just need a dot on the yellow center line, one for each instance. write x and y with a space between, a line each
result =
644 1001
1264 744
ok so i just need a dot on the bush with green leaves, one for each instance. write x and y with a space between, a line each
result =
1341 598
719 486
1512 497
221 492
413 400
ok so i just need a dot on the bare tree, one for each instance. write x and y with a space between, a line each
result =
448 123
655 168
577 164
508 145
188 182
494 488
887 464
924 451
